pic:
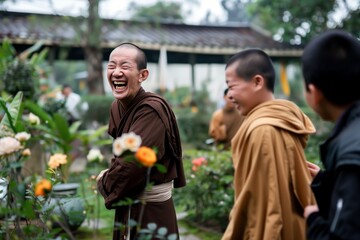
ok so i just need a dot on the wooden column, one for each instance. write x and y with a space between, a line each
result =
193 86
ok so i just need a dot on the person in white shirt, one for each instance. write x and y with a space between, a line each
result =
72 100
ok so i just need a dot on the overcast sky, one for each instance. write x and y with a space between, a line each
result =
119 8
115 8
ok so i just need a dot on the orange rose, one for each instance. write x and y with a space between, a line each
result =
42 187
146 156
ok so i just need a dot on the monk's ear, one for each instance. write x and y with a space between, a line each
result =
259 81
316 94
144 73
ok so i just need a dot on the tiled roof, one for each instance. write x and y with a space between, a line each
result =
23 28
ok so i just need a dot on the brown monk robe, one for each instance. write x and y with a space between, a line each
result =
149 116
225 122
271 178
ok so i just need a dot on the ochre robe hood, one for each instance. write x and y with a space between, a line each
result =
282 114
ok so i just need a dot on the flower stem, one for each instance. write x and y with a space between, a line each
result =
143 203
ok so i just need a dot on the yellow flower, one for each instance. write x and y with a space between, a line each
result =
146 156
56 160
42 187
9 145
26 152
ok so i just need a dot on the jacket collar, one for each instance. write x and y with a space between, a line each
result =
352 113
346 118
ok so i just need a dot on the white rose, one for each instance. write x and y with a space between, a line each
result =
94 154
22 136
9 145
117 147
33 119
131 141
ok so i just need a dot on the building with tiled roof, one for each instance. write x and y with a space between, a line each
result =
205 44
195 54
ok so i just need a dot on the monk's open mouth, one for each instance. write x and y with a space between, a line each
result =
119 84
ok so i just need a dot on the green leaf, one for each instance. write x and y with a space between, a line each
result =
11 112
74 127
102 142
161 168
100 131
37 59
90 135
151 226
7 51
62 127
172 236
30 50
28 210
162 231
37 110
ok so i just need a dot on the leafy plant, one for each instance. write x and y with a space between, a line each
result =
323 129
208 195
20 72
11 112
99 109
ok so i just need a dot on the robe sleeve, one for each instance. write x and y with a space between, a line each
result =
264 177
257 208
127 178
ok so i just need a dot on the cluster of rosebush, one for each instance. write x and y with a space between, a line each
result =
208 196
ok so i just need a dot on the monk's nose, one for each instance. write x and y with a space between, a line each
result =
117 72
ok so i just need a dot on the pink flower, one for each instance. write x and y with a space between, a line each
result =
197 162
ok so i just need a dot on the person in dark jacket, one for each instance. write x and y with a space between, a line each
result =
331 69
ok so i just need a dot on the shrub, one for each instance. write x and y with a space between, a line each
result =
323 129
208 196
99 109
21 76
193 127
193 112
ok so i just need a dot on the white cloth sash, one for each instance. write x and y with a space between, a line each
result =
157 193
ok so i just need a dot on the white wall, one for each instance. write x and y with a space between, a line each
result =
179 75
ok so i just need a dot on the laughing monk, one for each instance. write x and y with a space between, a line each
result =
150 117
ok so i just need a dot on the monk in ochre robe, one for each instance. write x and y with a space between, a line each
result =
224 123
149 116
271 179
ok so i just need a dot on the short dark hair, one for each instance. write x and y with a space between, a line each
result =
251 62
65 85
331 61
141 59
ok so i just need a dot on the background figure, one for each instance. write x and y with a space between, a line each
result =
149 116
225 122
271 178
72 104
331 69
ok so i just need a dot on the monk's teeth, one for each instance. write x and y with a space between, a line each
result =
119 84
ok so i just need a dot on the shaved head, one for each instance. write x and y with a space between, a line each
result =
141 59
